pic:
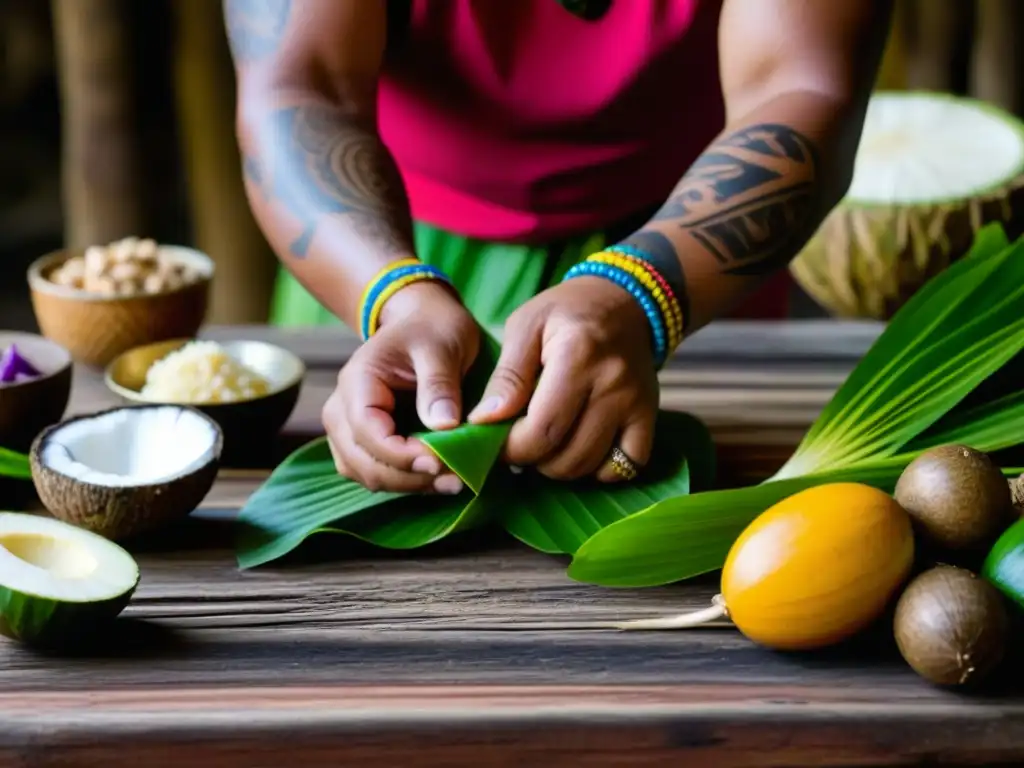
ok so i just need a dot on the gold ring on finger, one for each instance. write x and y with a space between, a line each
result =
622 465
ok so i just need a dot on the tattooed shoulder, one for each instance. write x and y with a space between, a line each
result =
255 27
750 199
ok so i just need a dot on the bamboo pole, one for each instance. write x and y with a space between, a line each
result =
101 167
223 224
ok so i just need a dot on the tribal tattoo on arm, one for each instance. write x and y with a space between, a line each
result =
320 161
314 157
750 200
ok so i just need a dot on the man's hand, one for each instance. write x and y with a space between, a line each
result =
427 342
586 346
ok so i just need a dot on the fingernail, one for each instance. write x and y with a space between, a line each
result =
427 465
443 412
449 485
490 405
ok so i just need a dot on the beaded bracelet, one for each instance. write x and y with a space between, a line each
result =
656 285
386 284
631 284
664 279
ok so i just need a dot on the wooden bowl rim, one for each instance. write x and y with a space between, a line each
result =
67 360
39 283
135 396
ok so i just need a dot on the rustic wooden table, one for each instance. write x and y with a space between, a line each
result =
345 656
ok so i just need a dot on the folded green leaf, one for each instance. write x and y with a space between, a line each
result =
305 495
14 465
557 518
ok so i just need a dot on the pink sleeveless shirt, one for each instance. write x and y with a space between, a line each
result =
514 120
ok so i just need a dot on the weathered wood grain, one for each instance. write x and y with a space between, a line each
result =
478 652
474 726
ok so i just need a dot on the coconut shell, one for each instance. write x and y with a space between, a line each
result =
957 498
119 513
951 626
867 259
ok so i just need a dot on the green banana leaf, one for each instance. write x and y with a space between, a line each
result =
697 531
305 495
557 518
901 398
14 465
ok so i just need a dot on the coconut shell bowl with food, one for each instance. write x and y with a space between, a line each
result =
107 299
250 388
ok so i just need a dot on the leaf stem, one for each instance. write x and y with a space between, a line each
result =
717 610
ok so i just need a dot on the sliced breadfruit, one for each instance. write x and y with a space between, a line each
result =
931 169
59 583
127 471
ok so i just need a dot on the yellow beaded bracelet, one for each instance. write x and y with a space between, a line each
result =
670 312
677 311
380 276
674 319
386 284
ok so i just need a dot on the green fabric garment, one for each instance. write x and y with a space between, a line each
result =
492 278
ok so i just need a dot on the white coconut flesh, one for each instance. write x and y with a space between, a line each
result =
46 558
926 148
131 447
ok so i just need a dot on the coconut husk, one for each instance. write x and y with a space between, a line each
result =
1017 492
867 260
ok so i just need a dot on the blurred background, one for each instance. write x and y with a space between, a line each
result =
116 118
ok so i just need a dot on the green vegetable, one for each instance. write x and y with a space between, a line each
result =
14 465
59 582
305 495
1004 566
960 328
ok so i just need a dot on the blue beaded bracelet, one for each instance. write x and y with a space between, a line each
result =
385 280
636 289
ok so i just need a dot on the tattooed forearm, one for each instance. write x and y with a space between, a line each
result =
317 161
751 200
255 27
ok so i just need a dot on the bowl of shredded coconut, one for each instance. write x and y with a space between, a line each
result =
250 388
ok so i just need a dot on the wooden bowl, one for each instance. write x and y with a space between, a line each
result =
28 408
249 426
95 328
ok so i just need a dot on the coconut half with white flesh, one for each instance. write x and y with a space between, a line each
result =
59 583
126 471
931 169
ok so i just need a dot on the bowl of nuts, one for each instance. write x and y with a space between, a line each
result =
103 300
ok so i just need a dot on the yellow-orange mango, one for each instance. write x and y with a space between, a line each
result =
818 566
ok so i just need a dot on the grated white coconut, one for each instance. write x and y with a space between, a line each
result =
201 372
131 446
920 148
